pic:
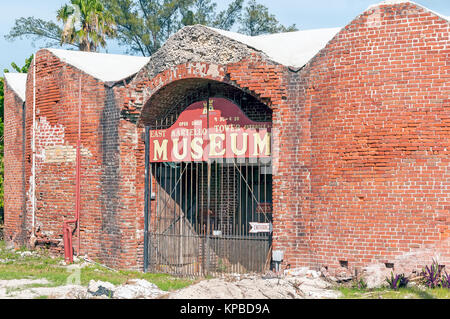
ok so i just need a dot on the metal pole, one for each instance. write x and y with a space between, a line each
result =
146 195
78 170
208 222
33 150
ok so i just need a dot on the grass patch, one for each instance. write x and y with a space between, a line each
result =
42 265
402 293
10 290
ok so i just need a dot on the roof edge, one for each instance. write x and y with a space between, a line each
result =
17 82
90 63
314 41
395 2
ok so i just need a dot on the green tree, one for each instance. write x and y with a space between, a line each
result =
23 69
144 25
257 20
141 26
36 30
204 12
86 23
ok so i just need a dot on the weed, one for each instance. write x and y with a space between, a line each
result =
397 281
359 284
445 280
42 265
432 276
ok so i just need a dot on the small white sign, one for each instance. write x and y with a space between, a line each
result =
217 233
261 228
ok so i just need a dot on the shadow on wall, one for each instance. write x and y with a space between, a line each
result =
110 231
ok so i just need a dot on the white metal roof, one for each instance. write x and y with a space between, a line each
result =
105 67
18 83
297 48
293 49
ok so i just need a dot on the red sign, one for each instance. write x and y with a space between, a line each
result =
229 134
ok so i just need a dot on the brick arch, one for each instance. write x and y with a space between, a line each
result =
174 89
264 81
254 76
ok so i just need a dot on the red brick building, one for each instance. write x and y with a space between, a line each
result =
359 119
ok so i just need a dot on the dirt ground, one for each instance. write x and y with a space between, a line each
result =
31 282
227 287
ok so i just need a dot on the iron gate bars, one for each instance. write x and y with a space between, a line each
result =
202 215
188 238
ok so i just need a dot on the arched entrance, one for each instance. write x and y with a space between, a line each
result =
209 198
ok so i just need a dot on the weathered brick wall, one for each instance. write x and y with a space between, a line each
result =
257 77
14 169
281 89
361 149
378 101
105 193
362 141
57 91
130 194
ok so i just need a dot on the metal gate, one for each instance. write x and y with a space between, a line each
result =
205 216
198 228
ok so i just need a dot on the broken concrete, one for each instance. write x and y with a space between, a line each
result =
137 289
375 275
304 286
256 287
132 289
196 44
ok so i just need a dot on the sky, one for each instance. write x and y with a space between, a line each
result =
306 14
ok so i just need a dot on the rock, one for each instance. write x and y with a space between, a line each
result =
324 272
24 253
296 271
75 292
343 274
269 275
313 274
33 241
101 288
302 271
137 289
286 287
375 275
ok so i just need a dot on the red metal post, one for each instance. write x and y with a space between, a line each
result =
67 236
78 192
67 231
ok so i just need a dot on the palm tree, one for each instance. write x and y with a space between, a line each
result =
86 23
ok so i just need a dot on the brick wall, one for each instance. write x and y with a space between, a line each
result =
14 169
57 87
377 98
362 137
361 167
106 194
